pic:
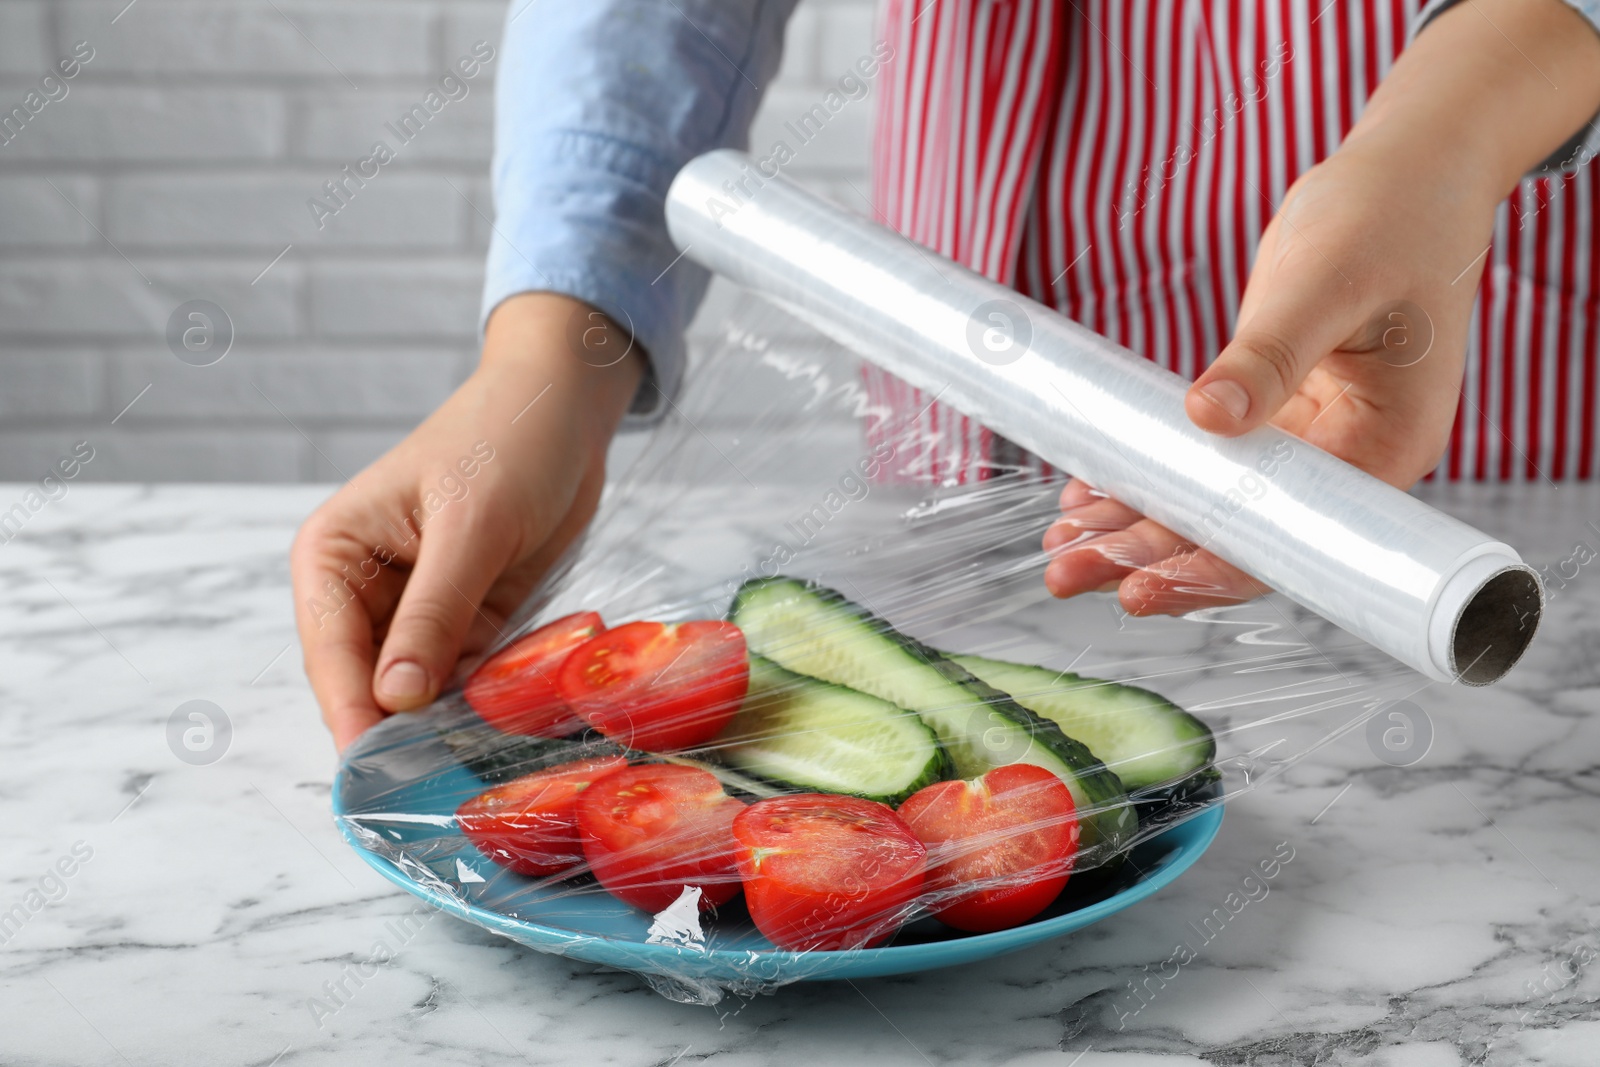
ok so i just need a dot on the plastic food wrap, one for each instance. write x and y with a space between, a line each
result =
808 718
1428 589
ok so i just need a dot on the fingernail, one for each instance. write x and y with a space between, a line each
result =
403 680
1229 396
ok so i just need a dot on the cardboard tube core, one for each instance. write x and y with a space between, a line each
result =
1496 626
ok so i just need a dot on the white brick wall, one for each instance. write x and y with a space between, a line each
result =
177 167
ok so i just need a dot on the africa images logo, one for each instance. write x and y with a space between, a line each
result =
453 85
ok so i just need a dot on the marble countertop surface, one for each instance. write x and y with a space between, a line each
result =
161 911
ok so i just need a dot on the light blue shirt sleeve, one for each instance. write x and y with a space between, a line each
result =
598 103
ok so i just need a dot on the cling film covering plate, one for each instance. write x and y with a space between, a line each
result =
779 796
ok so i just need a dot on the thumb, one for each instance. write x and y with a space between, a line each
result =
1268 358
456 565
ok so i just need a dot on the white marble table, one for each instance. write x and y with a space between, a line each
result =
1438 914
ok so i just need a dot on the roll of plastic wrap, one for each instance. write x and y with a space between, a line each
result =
1429 590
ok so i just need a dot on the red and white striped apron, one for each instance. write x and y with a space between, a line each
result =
1119 159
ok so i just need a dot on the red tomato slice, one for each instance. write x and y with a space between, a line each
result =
515 689
531 824
659 686
827 872
650 830
1000 847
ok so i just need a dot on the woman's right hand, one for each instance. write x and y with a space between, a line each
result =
1354 326
422 557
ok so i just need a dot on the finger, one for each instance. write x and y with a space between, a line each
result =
1111 557
1185 582
1089 520
340 667
335 628
458 560
1301 318
1077 493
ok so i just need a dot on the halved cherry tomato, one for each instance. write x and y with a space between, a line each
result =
659 686
650 830
827 872
531 824
1010 836
515 689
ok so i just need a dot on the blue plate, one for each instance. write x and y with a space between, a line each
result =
398 789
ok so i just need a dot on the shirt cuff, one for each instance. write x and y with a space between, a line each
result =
600 237
1584 145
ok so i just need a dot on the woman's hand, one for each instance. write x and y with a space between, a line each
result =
1353 327
421 557
1352 336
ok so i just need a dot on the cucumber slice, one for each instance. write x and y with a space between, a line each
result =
497 757
814 630
814 736
1147 740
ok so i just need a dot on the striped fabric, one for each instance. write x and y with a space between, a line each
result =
1118 161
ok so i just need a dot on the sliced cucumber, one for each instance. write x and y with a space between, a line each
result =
498 757
1149 742
813 630
812 735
